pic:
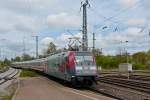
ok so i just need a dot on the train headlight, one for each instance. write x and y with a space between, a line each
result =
93 68
78 68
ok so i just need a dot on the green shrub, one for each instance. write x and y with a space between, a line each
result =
141 67
28 73
107 62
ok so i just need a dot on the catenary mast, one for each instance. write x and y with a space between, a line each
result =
84 30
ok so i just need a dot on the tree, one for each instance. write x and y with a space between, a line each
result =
107 62
139 57
148 57
51 48
27 57
42 56
17 59
7 62
97 52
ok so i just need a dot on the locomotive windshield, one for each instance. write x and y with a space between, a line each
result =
85 63
84 58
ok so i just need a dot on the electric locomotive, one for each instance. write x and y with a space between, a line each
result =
76 67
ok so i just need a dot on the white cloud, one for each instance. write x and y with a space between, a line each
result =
63 20
21 18
114 40
18 23
63 37
136 21
109 42
130 34
146 4
28 6
128 3
61 40
47 40
133 32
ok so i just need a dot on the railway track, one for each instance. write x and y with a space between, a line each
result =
118 93
133 77
122 89
100 91
140 77
8 75
127 83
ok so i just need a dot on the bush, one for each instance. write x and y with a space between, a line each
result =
28 73
141 67
107 62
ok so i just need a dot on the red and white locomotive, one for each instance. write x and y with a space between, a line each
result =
78 68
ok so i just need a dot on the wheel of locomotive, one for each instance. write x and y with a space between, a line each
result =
88 83
75 83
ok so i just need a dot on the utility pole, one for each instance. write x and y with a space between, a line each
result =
85 37
94 41
37 40
1 49
24 46
149 34
0 53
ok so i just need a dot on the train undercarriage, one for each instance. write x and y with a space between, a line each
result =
83 81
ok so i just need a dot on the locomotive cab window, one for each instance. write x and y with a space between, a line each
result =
88 60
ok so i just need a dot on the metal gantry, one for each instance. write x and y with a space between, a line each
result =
85 37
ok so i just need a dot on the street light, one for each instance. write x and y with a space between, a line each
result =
127 52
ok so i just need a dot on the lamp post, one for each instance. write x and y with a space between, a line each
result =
127 52
125 49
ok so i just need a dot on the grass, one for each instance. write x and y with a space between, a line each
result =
28 73
7 97
1 67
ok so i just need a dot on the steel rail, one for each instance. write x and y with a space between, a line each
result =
132 84
9 77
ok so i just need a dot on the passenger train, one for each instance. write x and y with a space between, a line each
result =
78 68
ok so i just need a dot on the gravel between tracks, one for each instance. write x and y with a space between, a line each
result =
122 93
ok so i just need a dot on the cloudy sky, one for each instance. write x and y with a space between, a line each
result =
113 21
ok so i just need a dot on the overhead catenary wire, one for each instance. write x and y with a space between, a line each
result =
110 19
126 9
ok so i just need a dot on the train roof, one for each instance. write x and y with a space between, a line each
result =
64 53
31 61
